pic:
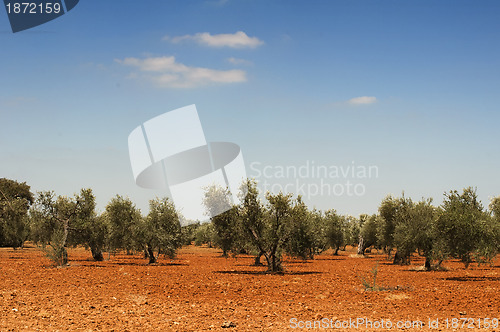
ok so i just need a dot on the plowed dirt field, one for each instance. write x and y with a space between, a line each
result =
202 291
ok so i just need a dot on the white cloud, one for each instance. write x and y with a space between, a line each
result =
168 73
236 40
362 100
236 61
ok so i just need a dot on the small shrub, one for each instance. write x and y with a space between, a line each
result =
371 285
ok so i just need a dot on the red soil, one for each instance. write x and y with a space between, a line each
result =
201 291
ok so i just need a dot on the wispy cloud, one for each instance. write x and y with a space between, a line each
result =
236 61
362 100
166 72
235 40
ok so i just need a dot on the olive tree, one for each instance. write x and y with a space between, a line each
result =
335 230
15 199
122 218
267 226
387 225
218 206
55 219
160 231
351 231
279 212
489 243
320 228
305 231
204 234
252 218
495 208
368 232
88 229
495 220
414 230
459 226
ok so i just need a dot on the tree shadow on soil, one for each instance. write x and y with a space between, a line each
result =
146 264
364 256
389 263
300 262
113 258
330 258
267 272
20 257
472 278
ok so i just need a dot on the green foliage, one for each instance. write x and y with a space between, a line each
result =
15 199
494 224
460 226
335 230
319 228
87 228
303 235
42 224
55 249
59 221
489 244
251 217
14 228
371 285
368 232
217 202
11 189
276 231
160 231
495 208
49 225
189 233
351 231
267 228
122 219
414 228
204 234
385 230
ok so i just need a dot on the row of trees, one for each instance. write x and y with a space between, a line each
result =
282 224
58 222
15 200
459 228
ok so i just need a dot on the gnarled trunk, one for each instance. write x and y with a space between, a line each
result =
401 259
427 264
389 250
273 263
361 246
64 256
97 254
257 259
151 255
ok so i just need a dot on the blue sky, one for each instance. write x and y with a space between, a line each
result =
411 87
